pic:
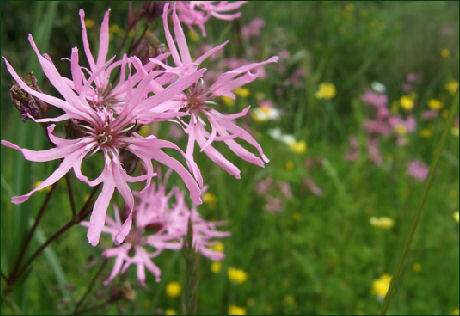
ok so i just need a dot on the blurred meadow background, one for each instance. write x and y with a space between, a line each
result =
319 230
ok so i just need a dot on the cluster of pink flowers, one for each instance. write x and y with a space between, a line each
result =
105 116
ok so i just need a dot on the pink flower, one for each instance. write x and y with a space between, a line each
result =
377 127
253 28
374 151
429 115
407 124
417 170
274 204
160 223
104 121
353 152
263 186
199 100
375 99
197 13
311 185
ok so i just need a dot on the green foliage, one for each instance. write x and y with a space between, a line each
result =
318 254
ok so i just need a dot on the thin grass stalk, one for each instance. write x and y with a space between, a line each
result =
399 270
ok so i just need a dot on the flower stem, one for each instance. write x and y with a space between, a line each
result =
399 270
191 272
11 278
71 196
90 287
85 210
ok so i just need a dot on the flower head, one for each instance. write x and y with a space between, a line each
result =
326 91
199 104
381 285
104 121
197 13
417 170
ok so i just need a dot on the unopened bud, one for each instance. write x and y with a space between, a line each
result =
28 106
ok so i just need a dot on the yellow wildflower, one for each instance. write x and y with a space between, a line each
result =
115 29
289 300
416 267
89 23
218 246
400 129
144 130
194 37
173 289
236 275
170 311
289 165
435 104
216 266
426 133
326 91
452 87
407 102
299 147
455 311
445 53
228 101
382 222
236 310
242 92
455 216
210 199
349 7
45 189
296 216
381 285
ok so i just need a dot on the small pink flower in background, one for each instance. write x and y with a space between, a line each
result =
374 151
408 125
104 121
253 28
296 78
375 99
377 127
285 189
197 13
273 204
311 185
429 115
417 170
353 152
263 186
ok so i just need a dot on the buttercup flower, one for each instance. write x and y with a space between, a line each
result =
236 275
381 285
236 310
173 289
382 222
326 91
435 104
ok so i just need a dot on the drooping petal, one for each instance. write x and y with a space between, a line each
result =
63 168
97 219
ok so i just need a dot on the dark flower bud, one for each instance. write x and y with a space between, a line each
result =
28 106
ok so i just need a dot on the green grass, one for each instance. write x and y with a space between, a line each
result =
319 255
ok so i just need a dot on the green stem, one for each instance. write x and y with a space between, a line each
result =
191 275
399 270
